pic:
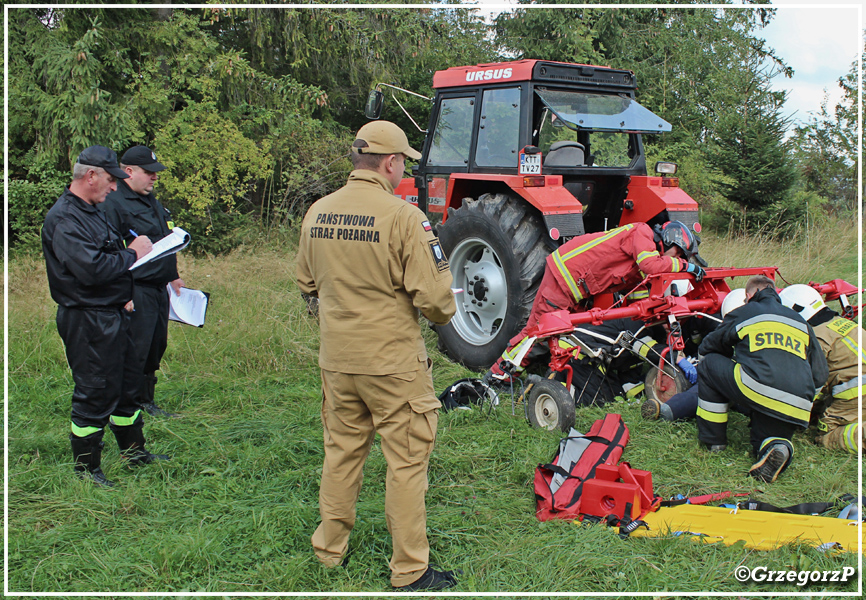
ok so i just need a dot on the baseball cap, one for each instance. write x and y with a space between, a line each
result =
383 137
100 156
142 156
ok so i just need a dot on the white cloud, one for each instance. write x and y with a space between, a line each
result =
819 43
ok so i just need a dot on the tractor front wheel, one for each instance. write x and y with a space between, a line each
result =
497 247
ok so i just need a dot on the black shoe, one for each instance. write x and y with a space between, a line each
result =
345 562
154 411
137 457
771 463
431 580
96 476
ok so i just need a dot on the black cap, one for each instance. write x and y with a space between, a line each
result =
100 156
142 156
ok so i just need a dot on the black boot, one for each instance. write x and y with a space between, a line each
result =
131 441
87 455
149 404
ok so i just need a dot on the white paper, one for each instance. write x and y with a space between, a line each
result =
175 241
190 307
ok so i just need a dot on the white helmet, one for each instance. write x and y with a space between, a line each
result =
680 288
803 299
735 299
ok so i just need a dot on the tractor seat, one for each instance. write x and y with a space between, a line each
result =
565 154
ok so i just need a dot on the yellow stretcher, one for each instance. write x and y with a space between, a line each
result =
758 529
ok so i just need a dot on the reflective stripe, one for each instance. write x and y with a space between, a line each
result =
855 348
518 352
635 391
646 254
646 344
83 431
715 412
850 389
776 440
560 259
777 335
639 295
567 346
124 421
777 318
850 437
776 400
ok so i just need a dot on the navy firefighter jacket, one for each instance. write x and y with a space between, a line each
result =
780 363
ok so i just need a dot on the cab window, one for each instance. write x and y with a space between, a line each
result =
453 133
499 128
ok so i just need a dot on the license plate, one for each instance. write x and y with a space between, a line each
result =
530 164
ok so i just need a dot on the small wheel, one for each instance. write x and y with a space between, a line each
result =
673 381
550 406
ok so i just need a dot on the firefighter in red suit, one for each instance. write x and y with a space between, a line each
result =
608 261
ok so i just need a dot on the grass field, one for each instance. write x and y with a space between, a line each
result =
234 508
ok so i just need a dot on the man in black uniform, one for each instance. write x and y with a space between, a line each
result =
765 360
133 210
89 278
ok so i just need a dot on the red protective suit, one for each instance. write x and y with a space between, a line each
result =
591 264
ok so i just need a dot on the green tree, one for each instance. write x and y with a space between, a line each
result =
825 148
696 67
560 34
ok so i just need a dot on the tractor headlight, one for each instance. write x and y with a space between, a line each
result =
666 168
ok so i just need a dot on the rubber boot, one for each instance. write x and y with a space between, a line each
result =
87 457
131 441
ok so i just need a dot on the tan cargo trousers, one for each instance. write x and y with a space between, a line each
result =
403 409
840 426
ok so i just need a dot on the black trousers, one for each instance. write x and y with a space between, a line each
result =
718 391
98 346
149 337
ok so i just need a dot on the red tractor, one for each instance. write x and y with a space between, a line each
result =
519 157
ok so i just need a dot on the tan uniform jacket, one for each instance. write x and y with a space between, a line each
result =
374 262
838 338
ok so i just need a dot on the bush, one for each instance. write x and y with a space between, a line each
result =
29 202
212 171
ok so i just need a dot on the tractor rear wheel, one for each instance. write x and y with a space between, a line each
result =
496 246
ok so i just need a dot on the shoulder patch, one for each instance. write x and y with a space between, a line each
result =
426 226
841 326
438 255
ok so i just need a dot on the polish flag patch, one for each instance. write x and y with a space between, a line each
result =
426 226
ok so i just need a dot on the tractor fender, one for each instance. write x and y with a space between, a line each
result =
649 196
561 211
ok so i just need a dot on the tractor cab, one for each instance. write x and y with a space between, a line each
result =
518 158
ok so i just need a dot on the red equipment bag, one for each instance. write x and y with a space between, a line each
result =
559 485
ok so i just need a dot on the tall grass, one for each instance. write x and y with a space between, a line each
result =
235 507
819 253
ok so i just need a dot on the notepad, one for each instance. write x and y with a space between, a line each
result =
189 308
175 241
